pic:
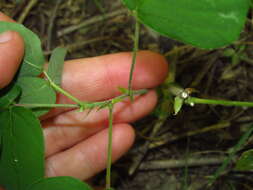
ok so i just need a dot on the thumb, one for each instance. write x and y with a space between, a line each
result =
11 54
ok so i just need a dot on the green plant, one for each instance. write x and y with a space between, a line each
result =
22 154
204 23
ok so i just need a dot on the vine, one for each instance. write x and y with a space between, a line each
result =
19 111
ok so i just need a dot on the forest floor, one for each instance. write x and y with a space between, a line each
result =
171 152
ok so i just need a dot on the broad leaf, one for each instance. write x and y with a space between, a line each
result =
22 154
34 59
202 23
245 163
8 95
56 63
59 183
36 91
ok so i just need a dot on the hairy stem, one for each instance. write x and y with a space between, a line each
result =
109 150
135 49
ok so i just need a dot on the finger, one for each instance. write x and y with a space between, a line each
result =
67 129
11 53
89 157
98 78
5 18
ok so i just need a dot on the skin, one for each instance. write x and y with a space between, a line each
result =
76 143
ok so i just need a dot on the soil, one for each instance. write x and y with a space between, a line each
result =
194 143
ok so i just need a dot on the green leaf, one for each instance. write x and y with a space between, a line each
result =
203 23
36 91
56 63
59 183
178 103
22 153
8 95
33 59
245 162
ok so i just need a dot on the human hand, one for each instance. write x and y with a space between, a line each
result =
76 142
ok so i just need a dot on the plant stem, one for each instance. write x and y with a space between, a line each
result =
26 10
135 49
86 105
109 149
48 105
194 100
59 89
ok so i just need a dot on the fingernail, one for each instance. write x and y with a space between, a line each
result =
6 36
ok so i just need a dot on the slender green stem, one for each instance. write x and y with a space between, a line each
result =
59 89
194 100
49 105
135 49
89 105
86 105
109 149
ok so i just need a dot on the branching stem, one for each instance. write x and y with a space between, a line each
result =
85 105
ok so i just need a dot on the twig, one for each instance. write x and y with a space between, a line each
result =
167 139
167 164
25 12
77 45
145 147
90 21
51 24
